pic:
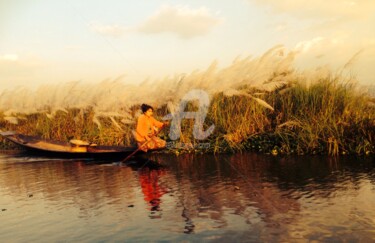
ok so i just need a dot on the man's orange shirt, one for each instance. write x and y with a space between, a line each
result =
145 127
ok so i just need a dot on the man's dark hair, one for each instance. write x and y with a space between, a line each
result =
145 107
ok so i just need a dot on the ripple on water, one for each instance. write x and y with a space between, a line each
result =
239 198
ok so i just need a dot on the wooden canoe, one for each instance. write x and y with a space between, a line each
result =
46 147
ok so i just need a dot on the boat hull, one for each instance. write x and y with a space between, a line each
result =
34 145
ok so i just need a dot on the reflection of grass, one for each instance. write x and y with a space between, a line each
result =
327 117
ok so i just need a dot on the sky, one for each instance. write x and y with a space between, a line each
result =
56 41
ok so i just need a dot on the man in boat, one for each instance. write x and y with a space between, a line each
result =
147 129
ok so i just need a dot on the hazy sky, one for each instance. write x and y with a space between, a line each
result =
50 41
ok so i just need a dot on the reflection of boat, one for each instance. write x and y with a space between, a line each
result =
73 149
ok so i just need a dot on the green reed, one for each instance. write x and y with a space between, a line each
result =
326 117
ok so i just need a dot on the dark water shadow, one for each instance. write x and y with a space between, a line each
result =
194 197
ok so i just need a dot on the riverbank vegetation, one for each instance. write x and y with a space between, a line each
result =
260 103
327 116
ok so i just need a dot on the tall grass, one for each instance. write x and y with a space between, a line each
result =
328 116
325 117
258 104
72 123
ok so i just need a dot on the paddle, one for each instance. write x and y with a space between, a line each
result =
130 155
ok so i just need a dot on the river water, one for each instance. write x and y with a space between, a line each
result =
226 198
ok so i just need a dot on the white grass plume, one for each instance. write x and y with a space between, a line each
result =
113 98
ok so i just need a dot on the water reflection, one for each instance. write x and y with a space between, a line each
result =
242 197
151 189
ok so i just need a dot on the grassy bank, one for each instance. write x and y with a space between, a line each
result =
326 117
